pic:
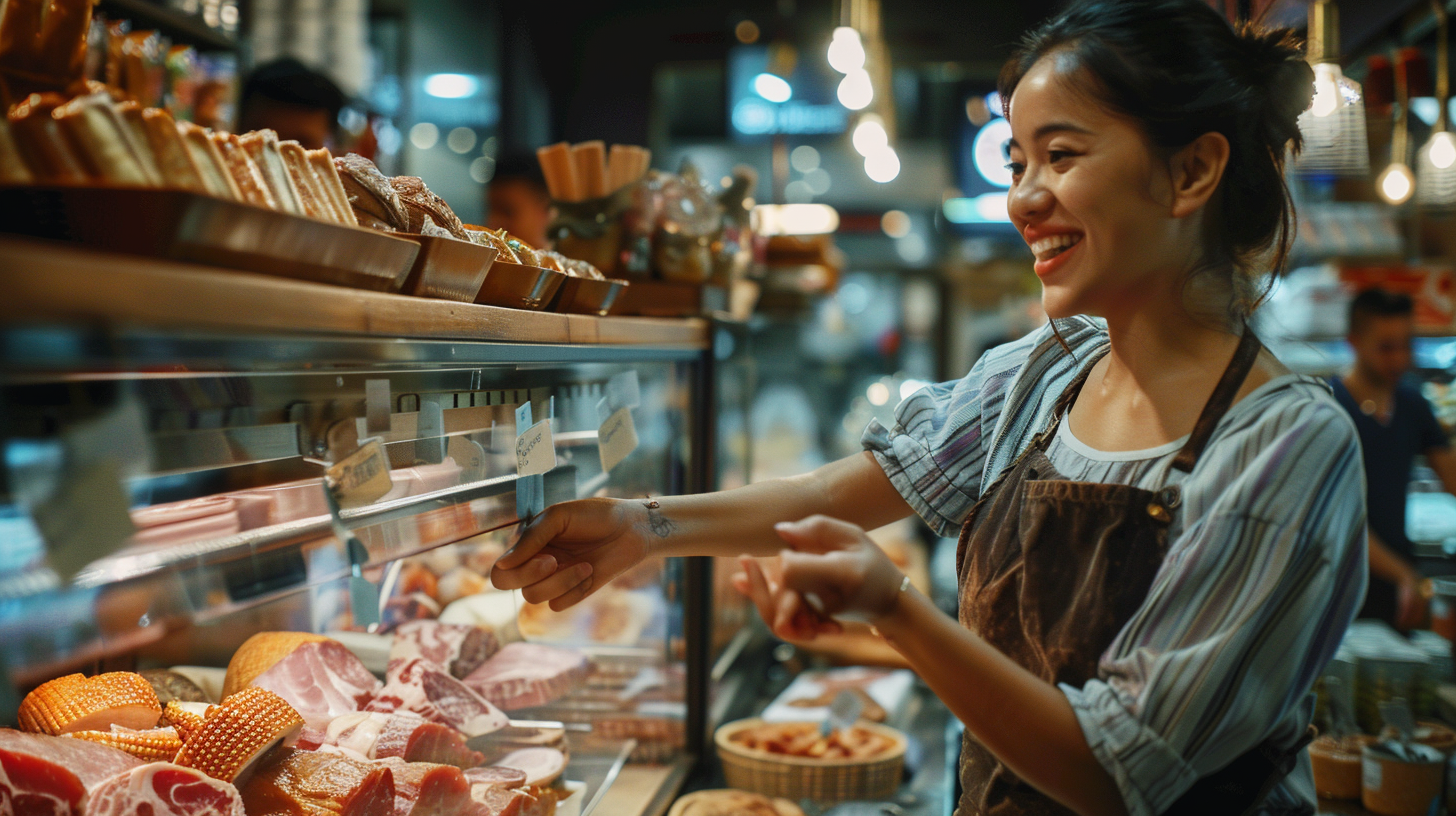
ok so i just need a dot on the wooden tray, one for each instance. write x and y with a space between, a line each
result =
519 287
448 268
588 296
202 229
654 298
819 780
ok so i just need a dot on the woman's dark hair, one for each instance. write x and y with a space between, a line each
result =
1181 70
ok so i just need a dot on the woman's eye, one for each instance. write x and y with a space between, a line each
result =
1055 156
1016 168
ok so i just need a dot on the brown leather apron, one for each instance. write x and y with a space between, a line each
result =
1051 570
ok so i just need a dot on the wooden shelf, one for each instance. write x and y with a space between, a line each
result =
183 28
47 282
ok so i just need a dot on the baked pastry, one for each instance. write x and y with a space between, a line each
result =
174 162
503 251
732 803
13 169
523 250
93 127
244 172
262 147
371 196
130 116
582 269
305 182
327 174
421 204
210 165
49 156
551 259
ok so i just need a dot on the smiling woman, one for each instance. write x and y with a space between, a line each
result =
1161 528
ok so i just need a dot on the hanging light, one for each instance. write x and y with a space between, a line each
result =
1333 128
1436 160
883 165
1396 182
846 50
869 135
856 91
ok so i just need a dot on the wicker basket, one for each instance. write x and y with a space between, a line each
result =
818 780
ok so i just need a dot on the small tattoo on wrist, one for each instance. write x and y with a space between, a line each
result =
661 525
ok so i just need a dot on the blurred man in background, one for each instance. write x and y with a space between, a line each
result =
517 200
293 99
1395 424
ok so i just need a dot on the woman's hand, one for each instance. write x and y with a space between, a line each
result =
832 568
574 549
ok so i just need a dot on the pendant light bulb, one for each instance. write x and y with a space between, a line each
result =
1396 184
856 91
1443 150
869 135
1326 90
846 50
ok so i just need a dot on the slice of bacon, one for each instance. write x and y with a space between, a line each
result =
164 789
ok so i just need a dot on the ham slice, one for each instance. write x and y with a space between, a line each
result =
498 801
542 766
427 789
164 789
423 689
315 783
379 735
496 776
456 648
523 675
321 680
42 775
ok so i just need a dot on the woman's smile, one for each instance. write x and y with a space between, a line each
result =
1053 251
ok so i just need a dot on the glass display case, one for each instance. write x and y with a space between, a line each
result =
166 449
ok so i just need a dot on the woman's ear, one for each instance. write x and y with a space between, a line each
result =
1196 171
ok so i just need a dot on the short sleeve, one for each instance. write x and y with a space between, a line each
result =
935 451
1249 605
1432 435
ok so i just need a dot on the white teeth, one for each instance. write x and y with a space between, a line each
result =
1053 245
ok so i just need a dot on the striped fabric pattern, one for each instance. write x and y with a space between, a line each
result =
1266 564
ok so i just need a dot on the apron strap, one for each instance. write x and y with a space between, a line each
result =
1223 396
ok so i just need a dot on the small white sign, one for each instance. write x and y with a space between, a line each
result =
616 438
535 450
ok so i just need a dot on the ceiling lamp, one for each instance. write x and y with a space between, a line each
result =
846 50
1436 160
1396 182
1334 126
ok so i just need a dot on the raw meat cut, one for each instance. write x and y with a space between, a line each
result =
456 648
321 680
496 776
522 675
314 783
427 789
498 801
379 735
164 789
421 688
42 775
542 766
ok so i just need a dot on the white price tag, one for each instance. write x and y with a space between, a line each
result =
616 438
535 450
362 477
85 519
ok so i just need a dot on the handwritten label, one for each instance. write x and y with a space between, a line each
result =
616 438
535 450
530 490
85 518
361 477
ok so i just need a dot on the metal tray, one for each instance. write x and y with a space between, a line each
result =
448 268
655 298
190 227
588 296
519 286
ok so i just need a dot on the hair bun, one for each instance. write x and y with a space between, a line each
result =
1276 65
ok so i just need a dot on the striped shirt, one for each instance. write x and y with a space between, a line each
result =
1265 568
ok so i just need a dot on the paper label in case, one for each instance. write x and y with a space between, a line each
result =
535 450
361 477
617 438
376 406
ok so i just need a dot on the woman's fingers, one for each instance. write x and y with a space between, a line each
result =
574 595
558 583
819 534
537 569
535 534
760 591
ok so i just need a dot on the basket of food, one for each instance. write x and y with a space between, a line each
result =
792 760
